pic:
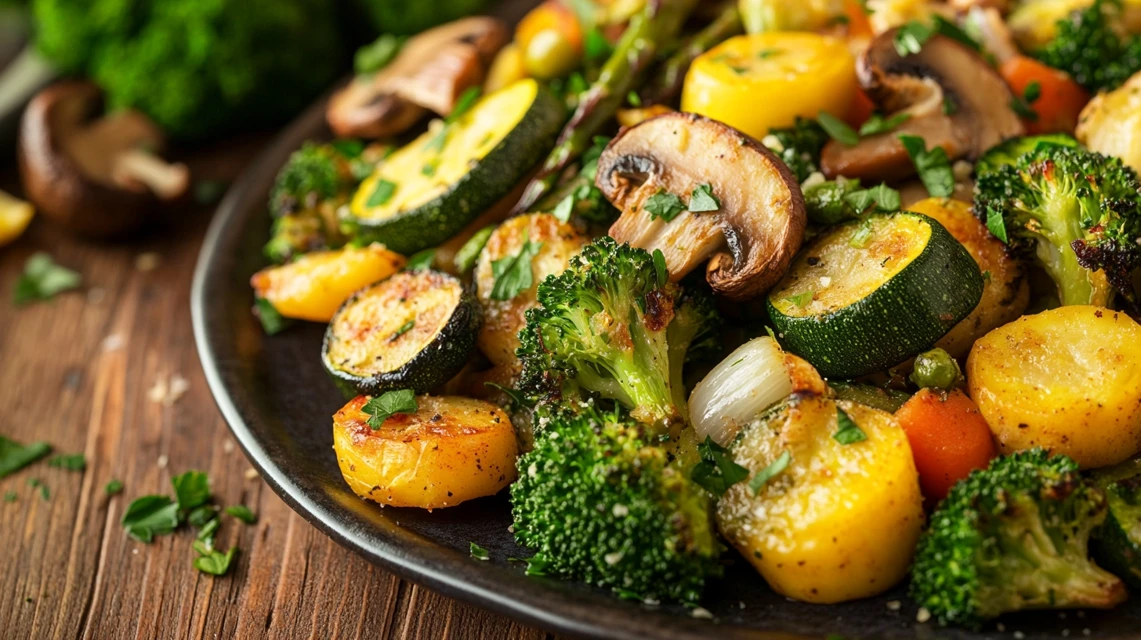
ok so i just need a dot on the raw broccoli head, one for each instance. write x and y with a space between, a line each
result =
1075 210
197 67
613 324
1013 536
601 500
799 146
1090 49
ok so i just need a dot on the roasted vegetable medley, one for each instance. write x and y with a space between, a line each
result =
844 286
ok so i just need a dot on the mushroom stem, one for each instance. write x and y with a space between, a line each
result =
138 167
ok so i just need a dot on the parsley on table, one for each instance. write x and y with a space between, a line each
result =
206 533
717 471
201 515
664 205
837 129
191 490
933 166
149 516
113 487
15 456
35 483
513 273
847 431
421 260
702 199
9 496
404 328
43 279
214 562
769 472
387 404
242 512
468 254
272 322
478 552
73 462
879 124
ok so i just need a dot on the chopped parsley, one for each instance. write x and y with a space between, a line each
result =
596 46
429 168
214 562
387 404
206 533
404 328
949 107
1022 104
421 260
74 462
770 472
382 193
634 99
272 322
464 103
15 456
802 299
242 512
191 490
995 224
933 166
113 487
202 515
837 129
149 516
565 208
43 279
882 197
478 552
717 471
859 239
9 496
660 270
847 431
513 273
702 199
879 124
765 54
375 56
664 205
468 254
910 38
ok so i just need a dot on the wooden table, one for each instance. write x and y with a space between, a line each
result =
80 372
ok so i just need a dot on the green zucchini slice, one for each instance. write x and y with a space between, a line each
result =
1117 542
429 190
415 330
870 294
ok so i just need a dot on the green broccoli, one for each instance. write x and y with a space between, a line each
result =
1009 151
315 180
197 67
1013 536
799 146
1089 47
613 324
601 500
1076 211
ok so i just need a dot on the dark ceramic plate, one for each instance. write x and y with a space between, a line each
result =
278 402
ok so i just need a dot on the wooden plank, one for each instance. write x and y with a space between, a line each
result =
78 372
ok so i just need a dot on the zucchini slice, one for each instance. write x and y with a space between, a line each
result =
872 293
430 189
415 330
1117 543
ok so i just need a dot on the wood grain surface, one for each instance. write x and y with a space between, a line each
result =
80 372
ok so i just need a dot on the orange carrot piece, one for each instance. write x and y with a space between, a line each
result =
1060 99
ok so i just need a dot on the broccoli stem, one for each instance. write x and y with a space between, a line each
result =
1058 229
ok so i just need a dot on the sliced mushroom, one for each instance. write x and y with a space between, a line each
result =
95 174
431 71
944 72
759 224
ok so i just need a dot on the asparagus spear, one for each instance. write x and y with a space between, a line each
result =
650 29
666 83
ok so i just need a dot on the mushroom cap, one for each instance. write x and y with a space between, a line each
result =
66 166
430 73
749 241
944 71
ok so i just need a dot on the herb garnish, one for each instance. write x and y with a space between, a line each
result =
995 224
74 462
387 404
660 269
1021 104
242 512
421 260
478 552
513 273
201 515
769 472
847 431
802 299
382 193
859 239
883 197
717 471
375 56
43 279
213 562
468 254
664 205
933 166
272 322
404 328
702 199
837 129
879 124
464 103
634 99
15 456
191 490
113 487
149 516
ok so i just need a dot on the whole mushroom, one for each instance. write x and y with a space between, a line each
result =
758 224
430 73
95 174
953 97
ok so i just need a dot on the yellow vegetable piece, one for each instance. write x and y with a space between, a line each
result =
450 450
762 16
15 216
1067 379
840 521
506 69
757 82
314 286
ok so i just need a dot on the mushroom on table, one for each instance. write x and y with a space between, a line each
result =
954 98
96 174
430 73
745 212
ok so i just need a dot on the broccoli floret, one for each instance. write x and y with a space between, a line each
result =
1009 151
1076 211
613 324
1089 47
1013 536
197 67
601 500
799 146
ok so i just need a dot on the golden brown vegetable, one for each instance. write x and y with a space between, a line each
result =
1006 288
1067 379
1111 123
840 521
314 286
450 450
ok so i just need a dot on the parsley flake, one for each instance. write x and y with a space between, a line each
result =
464 103
847 431
214 562
596 46
387 404
769 472
879 124
837 129
660 270
9 496
149 516
664 205
565 208
634 99
378 54
242 512
910 38
995 224
421 260
404 328
206 534
74 462
15 456
113 487
382 193
933 166
43 279
882 197
702 199
765 54
859 239
468 254
478 552
1021 104
202 515
513 273
802 299
272 322
191 490
717 471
